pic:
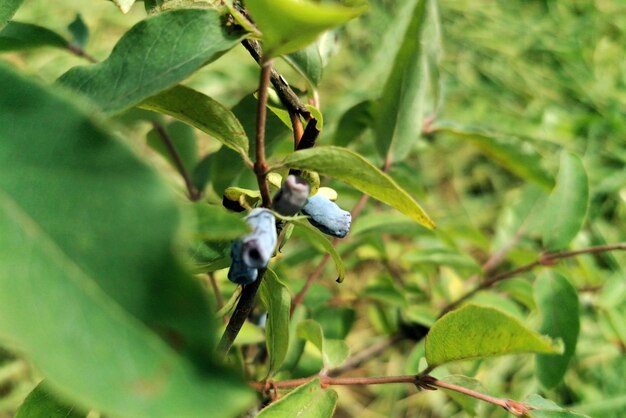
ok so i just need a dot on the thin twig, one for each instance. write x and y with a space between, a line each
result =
363 356
298 129
80 52
546 259
422 382
219 299
194 194
260 165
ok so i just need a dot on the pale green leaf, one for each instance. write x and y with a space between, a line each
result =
398 113
18 36
290 25
86 251
40 403
468 403
567 206
519 157
306 401
277 302
7 10
557 301
350 167
154 55
334 352
314 235
544 408
476 332
202 112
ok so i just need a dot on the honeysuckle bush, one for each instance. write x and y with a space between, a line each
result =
480 149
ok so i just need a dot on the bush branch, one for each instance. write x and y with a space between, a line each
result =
260 165
194 194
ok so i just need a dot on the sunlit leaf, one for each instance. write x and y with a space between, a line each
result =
124 5
306 401
40 403
476 332
318 237
277 301
334 352
7 10
544 408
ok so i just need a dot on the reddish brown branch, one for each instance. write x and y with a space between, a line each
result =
260 165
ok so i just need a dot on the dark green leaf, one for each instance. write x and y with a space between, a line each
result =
202 112
518 157
355 170
354 122
306 401
79 31
7 10
40 403
557 301
567 205
18 36
398 113
315 236
154 55
277 301
290 25
90 239
475 332
183 138
308 62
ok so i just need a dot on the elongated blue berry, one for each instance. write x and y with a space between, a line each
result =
239 272
291 197
326 216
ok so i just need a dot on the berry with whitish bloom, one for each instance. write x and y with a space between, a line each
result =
326 216
291 197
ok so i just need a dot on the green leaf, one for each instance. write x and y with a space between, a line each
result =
567 205
519 157
202 112
306 401
19 36
207 256
124 5
557 301
90 239
476 332
7 10
352 168
40 403
354 122
545 408
215 223
79 31
468 403
334 352
398 113
315 236
290 25
183 138
154 55
277 301
308 62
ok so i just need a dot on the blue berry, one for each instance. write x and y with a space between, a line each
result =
326 216
292 196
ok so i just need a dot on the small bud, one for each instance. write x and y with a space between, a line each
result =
327 216
291 197
240 273
258 246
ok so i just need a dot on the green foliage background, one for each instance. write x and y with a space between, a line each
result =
545 76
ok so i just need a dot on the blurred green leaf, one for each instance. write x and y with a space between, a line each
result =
306 401
476 332
468 403
7 10
398 113
277 301
202 112
290 25
154 55
215 223
354 122
545 408
18 36
40 403
182 137
350 167
442 256
557 301
307 62
334 352
316 237
79 31
567 206
91 240
519 157
207 256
